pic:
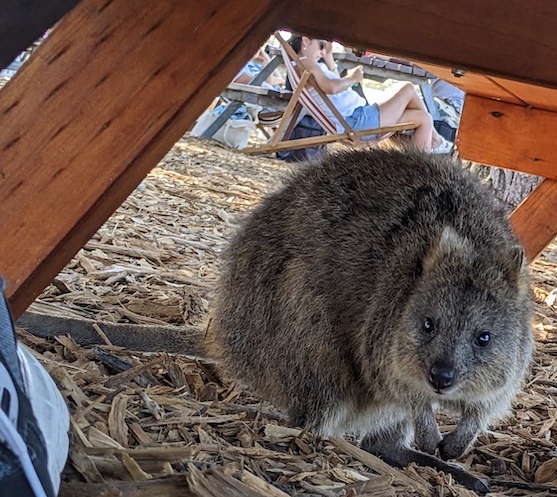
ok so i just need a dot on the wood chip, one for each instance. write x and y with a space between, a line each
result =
117 426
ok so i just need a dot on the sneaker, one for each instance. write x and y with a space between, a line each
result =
444 147
24 454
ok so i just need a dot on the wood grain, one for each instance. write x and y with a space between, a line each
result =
514 39
510 136
535 219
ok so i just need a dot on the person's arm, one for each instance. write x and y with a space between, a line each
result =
275 79
333 86
329 59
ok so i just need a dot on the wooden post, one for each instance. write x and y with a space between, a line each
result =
535 219
109 92
508 135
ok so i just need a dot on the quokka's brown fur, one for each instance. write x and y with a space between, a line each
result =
371 289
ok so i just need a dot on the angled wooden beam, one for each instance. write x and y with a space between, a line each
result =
535 219
107 94
22 22
508 135
513 39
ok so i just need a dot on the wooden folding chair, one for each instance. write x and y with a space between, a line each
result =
303 98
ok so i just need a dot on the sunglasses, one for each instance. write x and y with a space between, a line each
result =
322 44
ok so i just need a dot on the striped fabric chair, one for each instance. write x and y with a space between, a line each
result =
302 98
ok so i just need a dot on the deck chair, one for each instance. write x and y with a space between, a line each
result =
303 99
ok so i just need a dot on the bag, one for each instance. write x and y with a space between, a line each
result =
445 130
450 119
306 127
236 131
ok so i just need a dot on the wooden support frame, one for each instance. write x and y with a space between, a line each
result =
508 135
321 140
513 39
521 138
120 83
535 219
289 112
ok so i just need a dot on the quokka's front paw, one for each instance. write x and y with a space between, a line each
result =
428 444
452 446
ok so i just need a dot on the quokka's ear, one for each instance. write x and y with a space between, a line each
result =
514 263
450 243
516 260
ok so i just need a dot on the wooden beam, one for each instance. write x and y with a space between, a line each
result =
535 219
323 139
108 93
533 96
473 83
21 23
499 88
510 136
513 39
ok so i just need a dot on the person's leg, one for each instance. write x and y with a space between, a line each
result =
422 136
407 106
406 97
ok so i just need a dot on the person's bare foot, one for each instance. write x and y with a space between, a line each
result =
441 146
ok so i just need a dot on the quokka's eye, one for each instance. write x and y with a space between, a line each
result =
428 327
483 339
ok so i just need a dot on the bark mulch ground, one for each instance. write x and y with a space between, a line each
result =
162 425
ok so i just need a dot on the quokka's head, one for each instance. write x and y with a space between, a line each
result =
465 331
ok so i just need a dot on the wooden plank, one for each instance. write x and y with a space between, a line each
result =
260 90
475 84
273 101
21 23
100 103
499 88
322 139
509 136
513 39
534 96
535 219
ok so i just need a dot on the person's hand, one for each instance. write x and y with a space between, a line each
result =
328 48
357 74
262 56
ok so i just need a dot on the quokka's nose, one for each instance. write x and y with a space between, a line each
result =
441 376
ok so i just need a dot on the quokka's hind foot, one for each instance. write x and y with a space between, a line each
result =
401 457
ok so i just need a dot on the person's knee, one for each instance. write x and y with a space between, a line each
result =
424 118
409 89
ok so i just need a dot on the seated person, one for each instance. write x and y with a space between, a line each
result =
404 106
254 67
449 93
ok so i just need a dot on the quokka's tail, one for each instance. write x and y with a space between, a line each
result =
185 340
